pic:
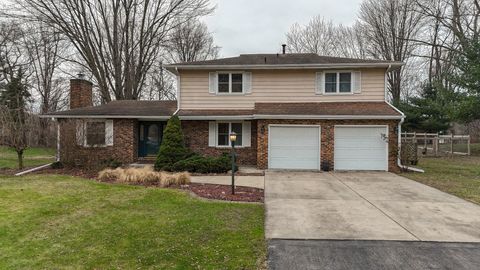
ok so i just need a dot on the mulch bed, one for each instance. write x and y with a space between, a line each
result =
72 171
224 192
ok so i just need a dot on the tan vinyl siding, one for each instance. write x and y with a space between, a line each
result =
274 86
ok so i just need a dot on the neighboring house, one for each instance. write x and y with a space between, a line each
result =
290 111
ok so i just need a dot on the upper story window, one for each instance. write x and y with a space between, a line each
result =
230 83
338 82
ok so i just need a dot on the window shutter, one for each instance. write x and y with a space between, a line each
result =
80 133
213 83
247 134
212 128
247 82
109 132
357 82
320 83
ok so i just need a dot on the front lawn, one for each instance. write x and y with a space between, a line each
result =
32 157
459 175
62 222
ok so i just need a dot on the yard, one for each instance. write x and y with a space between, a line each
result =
62 222
32 157
459 175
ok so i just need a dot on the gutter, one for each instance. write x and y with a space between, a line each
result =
174 68
265 116
178 91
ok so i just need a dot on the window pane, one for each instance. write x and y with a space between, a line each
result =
223 128
237 80
95 133
222 140
331 82
345 82
237 128
223 81
223 131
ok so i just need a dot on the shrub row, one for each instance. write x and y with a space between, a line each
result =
201 164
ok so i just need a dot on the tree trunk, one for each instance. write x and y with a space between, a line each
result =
20 159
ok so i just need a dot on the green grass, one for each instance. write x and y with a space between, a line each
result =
459 175
32 157
62 222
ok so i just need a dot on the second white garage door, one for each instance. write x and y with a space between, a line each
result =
294 147
361 148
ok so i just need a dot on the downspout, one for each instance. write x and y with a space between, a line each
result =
178 91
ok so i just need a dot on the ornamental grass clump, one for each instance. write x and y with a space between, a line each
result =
144 176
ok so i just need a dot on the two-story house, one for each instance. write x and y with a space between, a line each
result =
289 111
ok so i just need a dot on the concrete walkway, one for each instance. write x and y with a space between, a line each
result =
246 181
364 206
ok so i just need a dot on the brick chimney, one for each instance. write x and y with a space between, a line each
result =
80 92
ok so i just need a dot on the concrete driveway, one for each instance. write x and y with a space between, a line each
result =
364 206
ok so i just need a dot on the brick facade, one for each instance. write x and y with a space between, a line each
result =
124 149
327 138
80 93
196 138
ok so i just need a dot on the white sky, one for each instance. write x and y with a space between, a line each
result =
259 26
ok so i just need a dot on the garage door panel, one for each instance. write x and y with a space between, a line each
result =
293 147
359 153
360 148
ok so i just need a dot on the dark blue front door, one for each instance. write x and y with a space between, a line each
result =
150 138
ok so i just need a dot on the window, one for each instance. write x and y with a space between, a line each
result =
338 82
95 133
224 130
230 83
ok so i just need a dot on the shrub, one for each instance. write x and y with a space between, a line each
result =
145 175
173 147
200 164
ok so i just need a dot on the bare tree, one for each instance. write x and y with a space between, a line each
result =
389 26
317 36
118 40
191 41
160 85
325 38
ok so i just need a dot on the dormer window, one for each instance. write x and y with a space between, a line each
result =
230 83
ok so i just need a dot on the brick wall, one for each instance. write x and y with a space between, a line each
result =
327 138
196 138
80 93
124 149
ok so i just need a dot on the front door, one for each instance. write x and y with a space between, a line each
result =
150 138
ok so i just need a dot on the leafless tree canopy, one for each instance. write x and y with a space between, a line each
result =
390 25
191 41
118 40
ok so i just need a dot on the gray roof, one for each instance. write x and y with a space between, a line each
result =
278 60
123 109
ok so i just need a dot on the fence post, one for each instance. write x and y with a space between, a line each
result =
425 142
468 145
451 146
436 141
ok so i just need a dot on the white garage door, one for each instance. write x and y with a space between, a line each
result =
294 147
360 148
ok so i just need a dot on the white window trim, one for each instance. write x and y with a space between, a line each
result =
229 132
230 93
338 82
85 122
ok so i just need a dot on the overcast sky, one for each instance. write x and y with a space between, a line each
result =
259 26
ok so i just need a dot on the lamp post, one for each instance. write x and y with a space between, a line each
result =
233 138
